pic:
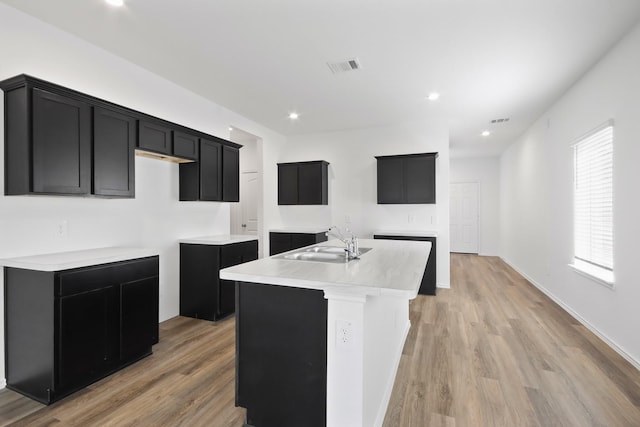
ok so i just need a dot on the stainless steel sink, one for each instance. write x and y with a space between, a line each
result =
333 254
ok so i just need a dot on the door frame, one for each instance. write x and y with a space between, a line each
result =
479 183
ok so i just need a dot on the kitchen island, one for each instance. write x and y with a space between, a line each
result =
319 343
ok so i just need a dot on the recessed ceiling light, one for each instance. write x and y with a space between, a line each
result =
230 128
433 96
486 133
293 116
115 2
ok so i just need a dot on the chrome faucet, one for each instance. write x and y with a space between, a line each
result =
352 251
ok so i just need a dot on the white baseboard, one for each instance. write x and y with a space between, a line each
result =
578 317
386 397
443 285
3 383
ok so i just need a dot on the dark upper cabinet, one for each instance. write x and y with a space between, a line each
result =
47 142
407 179
210 165
215 177
61 144
60 141
230 174
288 184
114 142
185 145
154 137
303 183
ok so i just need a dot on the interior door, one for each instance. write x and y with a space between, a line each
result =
464 218
249 205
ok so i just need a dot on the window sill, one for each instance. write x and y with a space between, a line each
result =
596 274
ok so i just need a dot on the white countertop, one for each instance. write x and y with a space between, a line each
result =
75 259
219 240
392 268
313 230
411 233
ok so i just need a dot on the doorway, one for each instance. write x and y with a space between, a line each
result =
244 214
464 218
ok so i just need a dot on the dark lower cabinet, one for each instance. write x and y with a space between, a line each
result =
138 305
281 355
282 241
429 280
203 295
88 336
67 329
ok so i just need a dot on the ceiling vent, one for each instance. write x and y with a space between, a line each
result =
344 66
500 120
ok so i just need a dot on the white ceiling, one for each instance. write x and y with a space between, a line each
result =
488 58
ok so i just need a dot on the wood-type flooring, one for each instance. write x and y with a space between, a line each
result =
491 351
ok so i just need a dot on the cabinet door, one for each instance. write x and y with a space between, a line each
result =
185 146
199 280
390 180
281 375
114 142
154 137
87 332
230 255
288 184
138 317
249 251
312 189
61 144
300 240
210 170
419 175
279 242
230 174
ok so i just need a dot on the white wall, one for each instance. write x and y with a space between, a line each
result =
536 193
486 172
154 218
352 182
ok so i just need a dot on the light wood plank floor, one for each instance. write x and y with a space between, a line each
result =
491 351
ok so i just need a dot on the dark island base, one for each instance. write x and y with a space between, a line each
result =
281 355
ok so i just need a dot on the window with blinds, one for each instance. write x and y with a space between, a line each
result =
593 203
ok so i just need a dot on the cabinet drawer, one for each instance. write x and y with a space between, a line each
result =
86 279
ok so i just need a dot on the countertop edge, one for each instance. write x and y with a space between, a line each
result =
59 261
227 239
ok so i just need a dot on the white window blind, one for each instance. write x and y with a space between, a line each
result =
593 198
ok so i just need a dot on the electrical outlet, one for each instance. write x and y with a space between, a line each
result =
411 218
347 219
63 228
344 334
